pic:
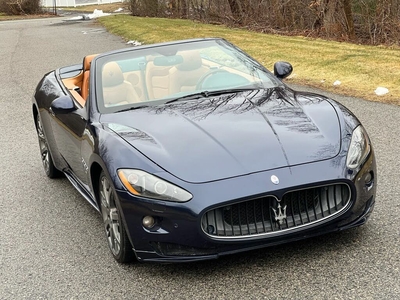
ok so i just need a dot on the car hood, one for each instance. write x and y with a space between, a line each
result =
234 134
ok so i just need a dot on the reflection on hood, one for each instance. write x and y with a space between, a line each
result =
234 134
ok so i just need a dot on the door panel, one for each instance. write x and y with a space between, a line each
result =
69 130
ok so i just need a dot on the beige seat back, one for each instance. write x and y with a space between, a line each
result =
157 80
116 91
136 81
184 77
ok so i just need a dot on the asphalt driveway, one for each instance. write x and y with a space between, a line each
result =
52 244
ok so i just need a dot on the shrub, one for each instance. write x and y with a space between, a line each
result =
20 7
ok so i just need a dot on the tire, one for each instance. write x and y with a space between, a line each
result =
47 161
116 235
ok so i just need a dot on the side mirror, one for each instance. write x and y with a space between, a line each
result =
62 105
282 69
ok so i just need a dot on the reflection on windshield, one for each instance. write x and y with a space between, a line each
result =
158 74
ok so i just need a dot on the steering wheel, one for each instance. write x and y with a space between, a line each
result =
207 75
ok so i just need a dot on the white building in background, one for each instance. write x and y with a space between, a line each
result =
74 3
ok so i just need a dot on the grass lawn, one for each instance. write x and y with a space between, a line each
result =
319 63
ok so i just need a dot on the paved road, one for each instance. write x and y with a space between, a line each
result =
52 244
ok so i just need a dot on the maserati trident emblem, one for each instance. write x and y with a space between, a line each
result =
275 179
280 214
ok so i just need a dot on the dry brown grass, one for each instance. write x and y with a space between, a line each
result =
5 17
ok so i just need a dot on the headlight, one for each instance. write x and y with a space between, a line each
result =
359 148
146 185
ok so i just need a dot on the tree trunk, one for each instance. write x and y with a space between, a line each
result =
183 8
349 19
330 18
338 19
278 13
236 11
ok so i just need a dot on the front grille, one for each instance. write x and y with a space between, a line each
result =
268 214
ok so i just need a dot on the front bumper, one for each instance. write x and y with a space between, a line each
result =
178 235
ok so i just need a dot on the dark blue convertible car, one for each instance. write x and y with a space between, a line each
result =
191 150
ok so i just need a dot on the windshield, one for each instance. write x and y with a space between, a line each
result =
162 73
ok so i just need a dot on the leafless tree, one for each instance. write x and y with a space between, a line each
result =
20 7
371 21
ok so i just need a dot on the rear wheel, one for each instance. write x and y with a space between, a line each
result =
47 160
117 238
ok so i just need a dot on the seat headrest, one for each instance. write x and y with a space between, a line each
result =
191 61
112 75
87 60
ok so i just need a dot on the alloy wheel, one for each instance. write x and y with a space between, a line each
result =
110 216
44 150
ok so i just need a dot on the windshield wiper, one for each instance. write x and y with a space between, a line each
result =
132 108
190 96
204 94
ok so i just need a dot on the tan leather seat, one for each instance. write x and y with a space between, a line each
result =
116 91
135 80
157 80
87 60
184 77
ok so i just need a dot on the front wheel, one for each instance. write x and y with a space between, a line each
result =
47 160
117 238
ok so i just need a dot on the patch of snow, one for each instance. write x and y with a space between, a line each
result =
119 9
337 83
96 14
380 91
77 18
134 43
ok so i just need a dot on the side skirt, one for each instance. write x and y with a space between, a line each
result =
83 191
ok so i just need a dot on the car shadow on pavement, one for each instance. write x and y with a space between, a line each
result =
314 251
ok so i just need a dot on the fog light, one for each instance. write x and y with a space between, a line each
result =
148 222
368 178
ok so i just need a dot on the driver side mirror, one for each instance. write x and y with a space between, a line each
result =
62 105
282 69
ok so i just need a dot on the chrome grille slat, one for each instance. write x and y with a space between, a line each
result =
256 216
329 206
308 216
293 214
